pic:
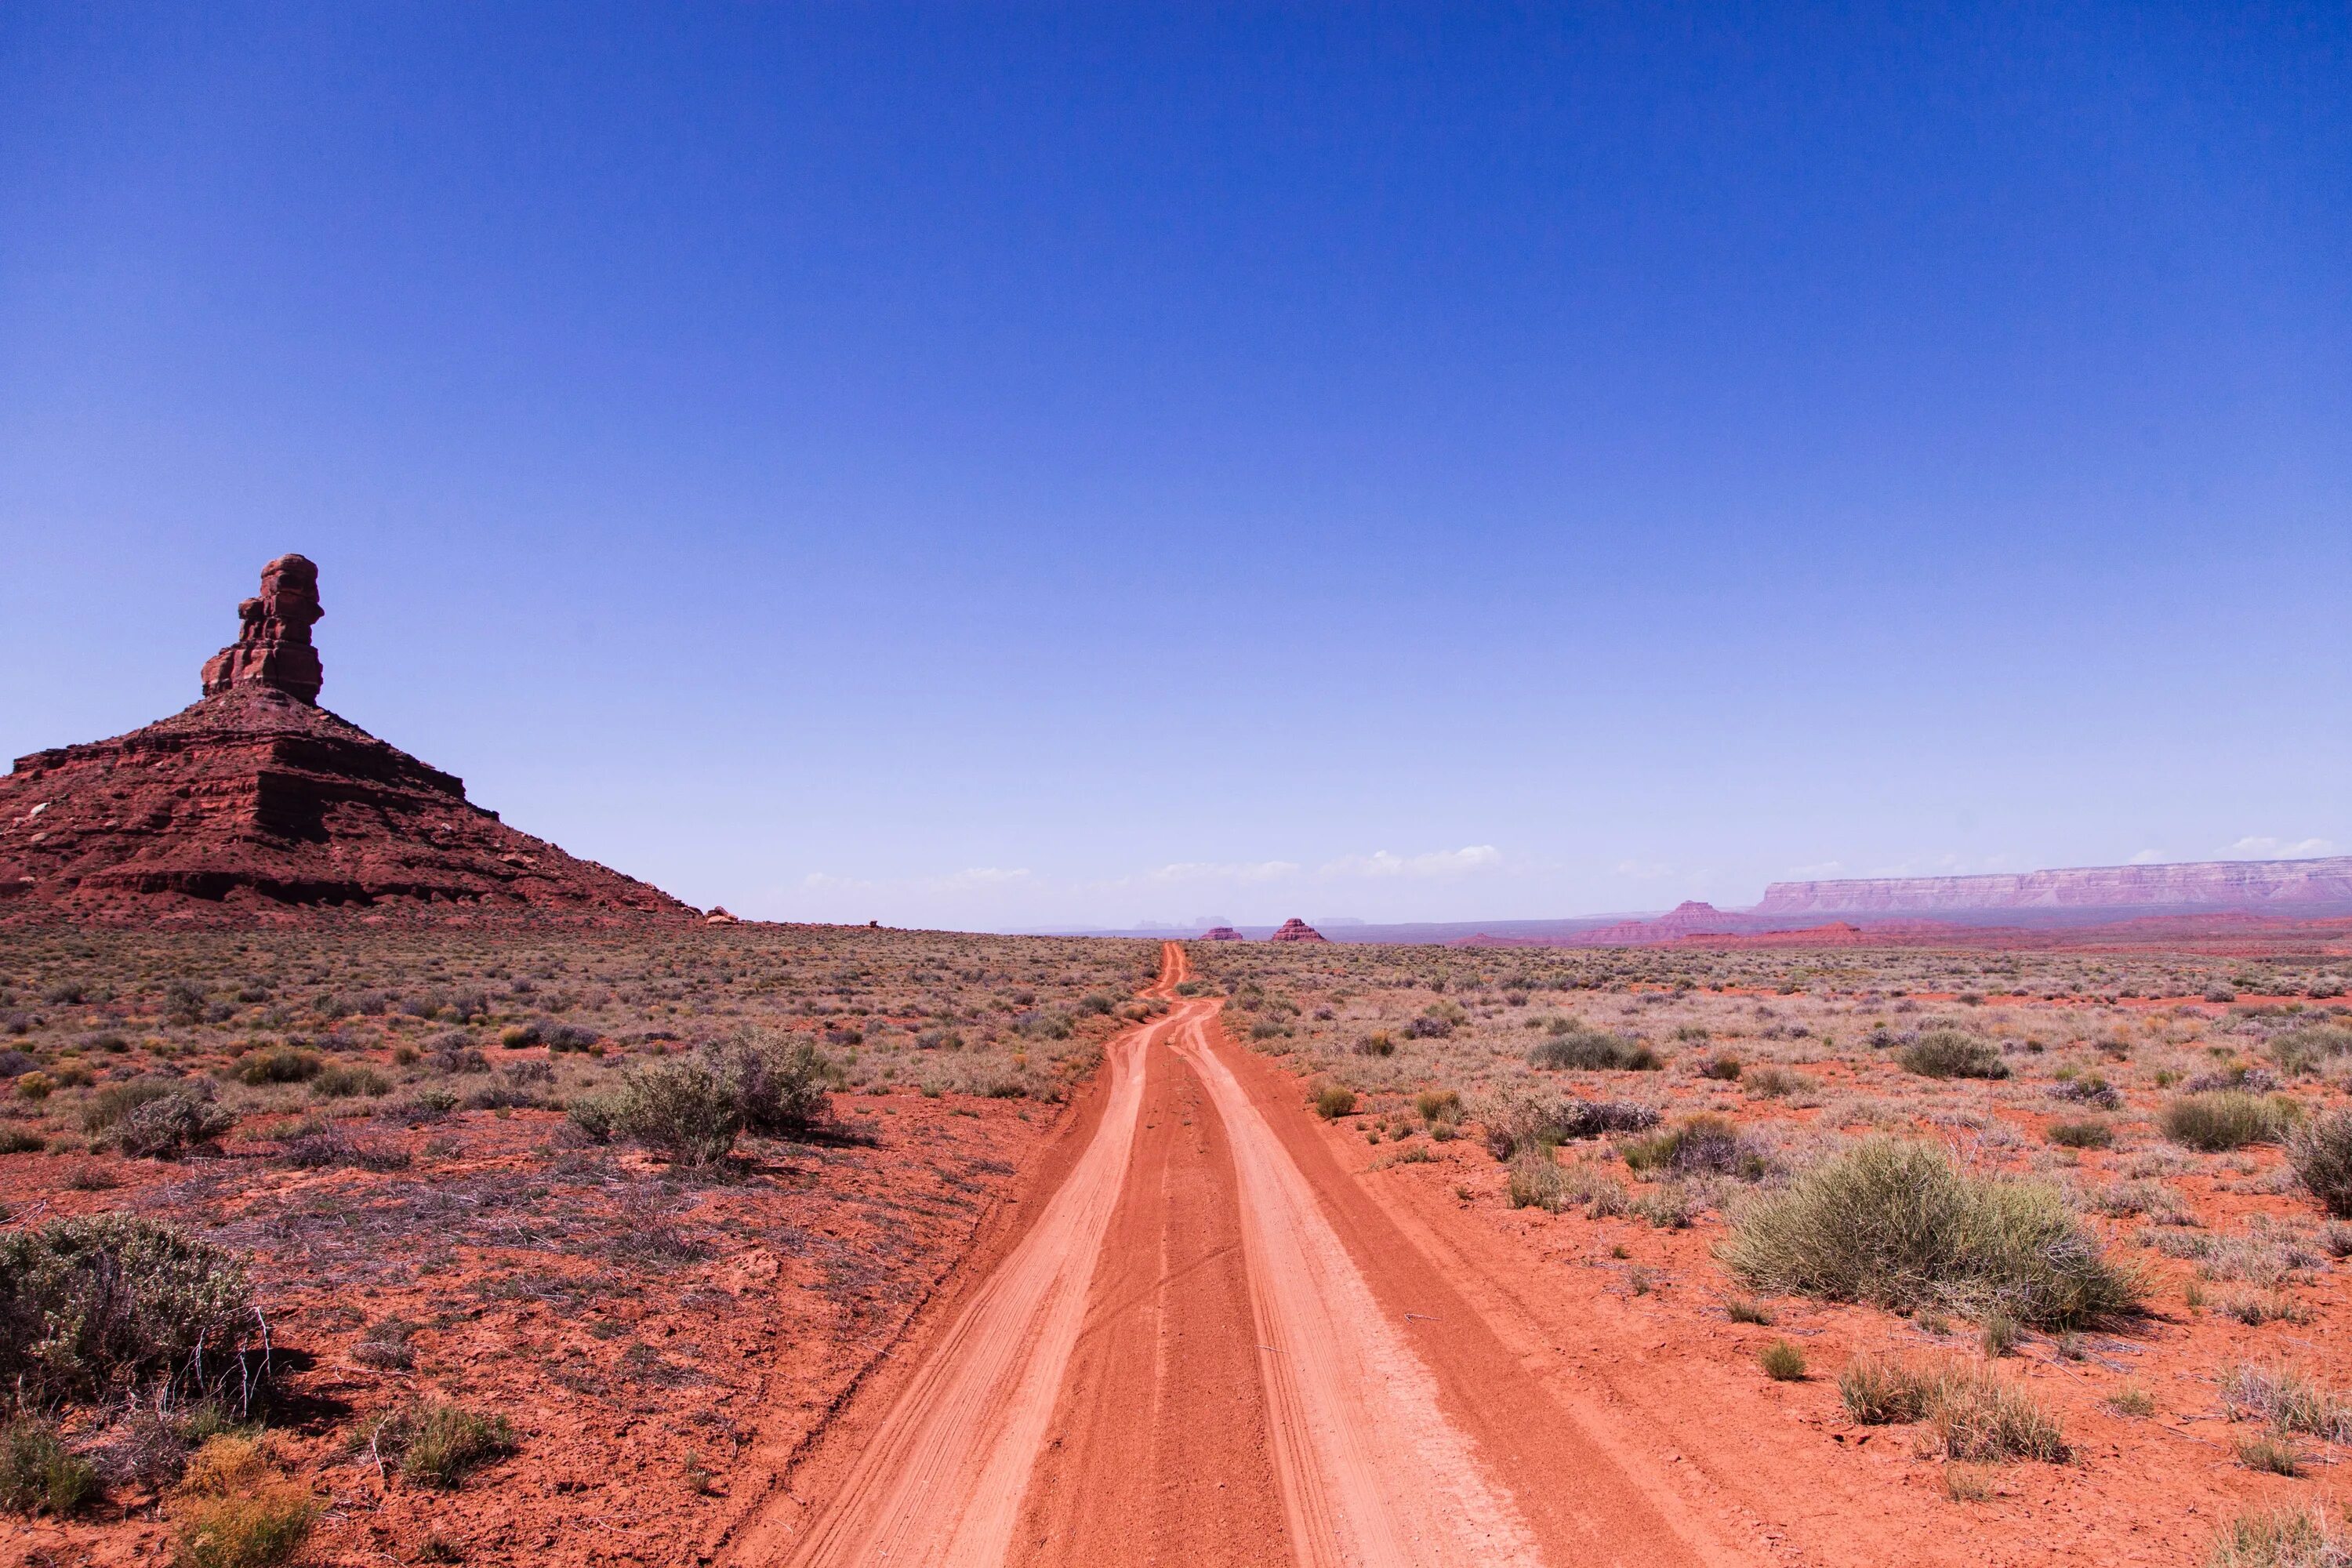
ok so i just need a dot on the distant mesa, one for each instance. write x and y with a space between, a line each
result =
2106 891
1220 933
257 797
1296 930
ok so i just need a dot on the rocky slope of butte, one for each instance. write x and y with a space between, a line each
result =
257 797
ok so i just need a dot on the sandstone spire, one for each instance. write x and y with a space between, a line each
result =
273 648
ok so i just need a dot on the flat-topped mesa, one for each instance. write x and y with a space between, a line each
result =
273 648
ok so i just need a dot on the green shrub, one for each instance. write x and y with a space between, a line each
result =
1335 1100
598 1114
38 1474
438 1444
341 1082
1438 1105
1592 1050
1783 1362
682 1108
782 1085
98 1302
2090 1133
112 1103
1899 1225
1702 1146
2304 1050
279 1064
169 1126
21 1140
2321 1153
2226 1119
1948 1053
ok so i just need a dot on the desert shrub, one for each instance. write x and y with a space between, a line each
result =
1517 1121
1438 1105
1900 1225
781 1085
2285 1397
279 1064
1379 1043
1703 1145
1535 1181
597 1115
2303 1049
94 1302
385 1345
683 1107
21 1140
328 1146
2281 1538
171 1124
238 1510
438 1444
16 1063
1335 1100
2089 1088
2225 1119
1977 1416
1948 1053
1783 1362
341 1082
2321 1153
2086 1135
112 1103
1592 1050
1880 1391
1771 1082
554 1035
38 1474
1724 1069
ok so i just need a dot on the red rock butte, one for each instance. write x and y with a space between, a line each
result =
257 797
1296 930
1219 933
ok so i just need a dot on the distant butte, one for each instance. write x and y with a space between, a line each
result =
1219 933
257 798
1296 930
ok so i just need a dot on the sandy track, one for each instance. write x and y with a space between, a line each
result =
1210 1348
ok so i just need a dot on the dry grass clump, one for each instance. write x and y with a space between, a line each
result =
1899 1225
1516 1120
1975 1415
238 1510
2321 1153
2280 1538
437 1444
1948 1053
2226 1119
38 1474
1573 1046
1783 1361
1700 1145
2286 1398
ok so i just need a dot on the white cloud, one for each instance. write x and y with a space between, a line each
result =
973 876
1437 863
1224 872
2147 858
2258 847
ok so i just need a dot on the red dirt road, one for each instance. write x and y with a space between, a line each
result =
1210 1347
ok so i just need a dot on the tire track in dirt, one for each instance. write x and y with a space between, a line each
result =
1159 1450
942 1480
1372 1473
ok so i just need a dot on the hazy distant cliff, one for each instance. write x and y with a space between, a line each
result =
2206 885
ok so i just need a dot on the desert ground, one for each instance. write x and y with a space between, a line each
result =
520 1242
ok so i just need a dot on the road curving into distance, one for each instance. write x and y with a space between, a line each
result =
1212 1347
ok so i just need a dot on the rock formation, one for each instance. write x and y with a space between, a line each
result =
257 797
1296 930
274 648
1220 933
2102 892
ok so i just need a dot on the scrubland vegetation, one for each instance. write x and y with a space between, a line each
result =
2011 1182
416 1241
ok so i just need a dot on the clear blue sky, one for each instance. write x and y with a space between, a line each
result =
1001 467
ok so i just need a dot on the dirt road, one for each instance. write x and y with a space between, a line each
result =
1210 1347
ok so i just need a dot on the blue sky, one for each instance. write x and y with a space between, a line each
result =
1004 467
